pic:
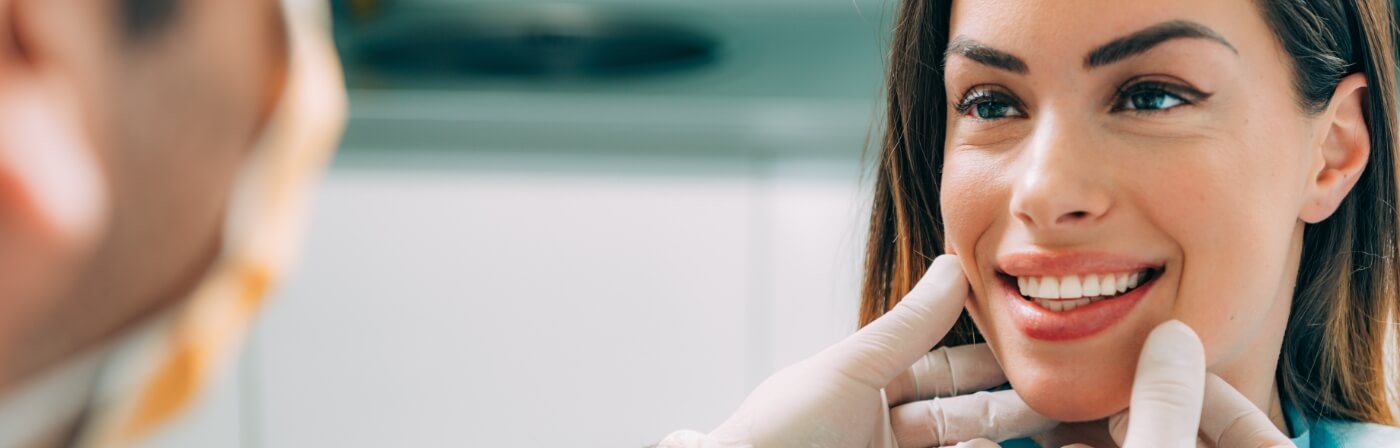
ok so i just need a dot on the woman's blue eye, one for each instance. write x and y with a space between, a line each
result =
990 110
989 107
1150 100
988 104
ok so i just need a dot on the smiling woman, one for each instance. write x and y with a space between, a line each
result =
1102 167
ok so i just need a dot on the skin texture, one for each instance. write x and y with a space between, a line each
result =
141 143
1217 189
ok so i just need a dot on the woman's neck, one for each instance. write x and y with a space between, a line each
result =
1252 367
1252 372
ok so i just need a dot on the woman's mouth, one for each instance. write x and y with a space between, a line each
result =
1048 300
1065 293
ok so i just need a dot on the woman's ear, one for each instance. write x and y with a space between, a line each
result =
1342 153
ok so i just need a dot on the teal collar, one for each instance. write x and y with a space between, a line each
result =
1297 424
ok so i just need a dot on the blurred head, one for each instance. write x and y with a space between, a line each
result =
1229 164
124 124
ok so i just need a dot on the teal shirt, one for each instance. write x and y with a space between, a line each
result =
1327 433
1321 433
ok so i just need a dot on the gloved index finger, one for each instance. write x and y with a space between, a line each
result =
890 344
999 416
946 372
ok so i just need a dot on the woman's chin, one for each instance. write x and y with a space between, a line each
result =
1073 398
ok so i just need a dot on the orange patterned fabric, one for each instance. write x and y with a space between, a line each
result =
263 233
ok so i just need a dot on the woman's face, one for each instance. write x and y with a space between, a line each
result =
1152 147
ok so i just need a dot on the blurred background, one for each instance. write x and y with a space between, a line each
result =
567 223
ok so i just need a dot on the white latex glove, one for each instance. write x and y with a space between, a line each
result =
836 398
1175 403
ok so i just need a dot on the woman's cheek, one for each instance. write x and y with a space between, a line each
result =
970 205
970 198
1229 220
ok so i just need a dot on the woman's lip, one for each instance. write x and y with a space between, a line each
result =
1081 322
1036 263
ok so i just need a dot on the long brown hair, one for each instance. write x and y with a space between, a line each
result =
1347 299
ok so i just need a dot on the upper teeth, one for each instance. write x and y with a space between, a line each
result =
1076 286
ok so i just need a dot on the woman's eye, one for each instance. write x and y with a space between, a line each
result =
1148 99
985 106
989 104
1153 101
992 109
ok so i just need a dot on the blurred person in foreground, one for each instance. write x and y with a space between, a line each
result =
153 161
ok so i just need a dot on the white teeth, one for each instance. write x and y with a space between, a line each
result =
1091 285
1063 293
1064 305
1070 287
1049 288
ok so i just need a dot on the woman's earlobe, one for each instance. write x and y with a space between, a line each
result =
1344 151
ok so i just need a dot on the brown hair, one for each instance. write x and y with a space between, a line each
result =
1347 299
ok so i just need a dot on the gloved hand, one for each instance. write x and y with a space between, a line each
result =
1175 403
841 397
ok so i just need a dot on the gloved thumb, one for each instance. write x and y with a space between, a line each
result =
1168 390
882 350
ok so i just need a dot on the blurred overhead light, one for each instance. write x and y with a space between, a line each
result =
538 43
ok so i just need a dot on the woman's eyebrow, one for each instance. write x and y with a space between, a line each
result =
985 55
1114 51
1143 40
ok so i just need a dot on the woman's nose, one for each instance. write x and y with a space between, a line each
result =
1065 181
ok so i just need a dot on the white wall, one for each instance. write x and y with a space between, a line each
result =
594 265
489 299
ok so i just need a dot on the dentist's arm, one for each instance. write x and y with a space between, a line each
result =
837 398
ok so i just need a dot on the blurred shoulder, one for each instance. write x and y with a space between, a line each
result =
1329 433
